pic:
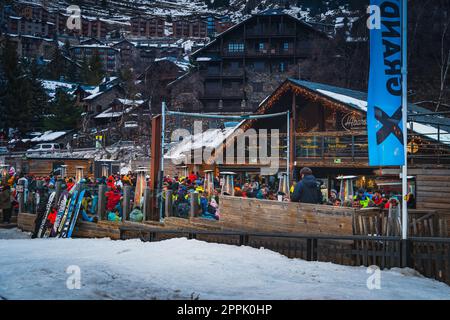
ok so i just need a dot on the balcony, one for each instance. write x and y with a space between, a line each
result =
224 94
233 73
233 54
270 32
353 147
274 52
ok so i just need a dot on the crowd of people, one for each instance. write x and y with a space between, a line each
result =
36 190
307 189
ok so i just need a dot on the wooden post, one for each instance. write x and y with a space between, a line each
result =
63 171
21 197
155 166
292 141
194 205
126 202
147 198
58 188
101 206
168 204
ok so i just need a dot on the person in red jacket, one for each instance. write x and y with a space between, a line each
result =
113 197
192 177
377 199
110 183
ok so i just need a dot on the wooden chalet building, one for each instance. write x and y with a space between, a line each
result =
158 74
245 63
328 134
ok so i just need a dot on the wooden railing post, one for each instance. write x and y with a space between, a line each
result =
101 204
126 202
308 249
21 197
194 205
147 198
58 188
168 204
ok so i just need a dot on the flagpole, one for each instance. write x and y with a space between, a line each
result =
405 117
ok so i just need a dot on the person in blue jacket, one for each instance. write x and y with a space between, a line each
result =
307 190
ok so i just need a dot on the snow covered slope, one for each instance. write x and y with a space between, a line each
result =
181 269
237 9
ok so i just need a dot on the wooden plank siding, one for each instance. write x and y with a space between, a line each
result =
433 191
43 167
26 222
273 216
432 188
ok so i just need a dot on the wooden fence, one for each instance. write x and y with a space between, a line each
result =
422 223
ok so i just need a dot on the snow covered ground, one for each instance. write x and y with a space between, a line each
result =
183 269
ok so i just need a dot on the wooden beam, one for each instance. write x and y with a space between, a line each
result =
155 166
292 136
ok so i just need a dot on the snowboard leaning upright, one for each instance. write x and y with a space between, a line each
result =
70 222
42 227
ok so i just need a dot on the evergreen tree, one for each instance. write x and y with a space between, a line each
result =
16 96
56 68
39 106
85 70
66 48
96 73
64 114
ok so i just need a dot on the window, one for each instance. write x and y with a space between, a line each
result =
261 46
286 46
282 67
235 47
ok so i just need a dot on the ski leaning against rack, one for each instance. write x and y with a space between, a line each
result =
70 222
51 199
63 204
67 213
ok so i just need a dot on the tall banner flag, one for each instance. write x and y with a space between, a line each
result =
384 105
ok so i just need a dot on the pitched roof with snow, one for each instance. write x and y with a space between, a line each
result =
51 86
358 100
212 138
49 136
270 12
182 64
